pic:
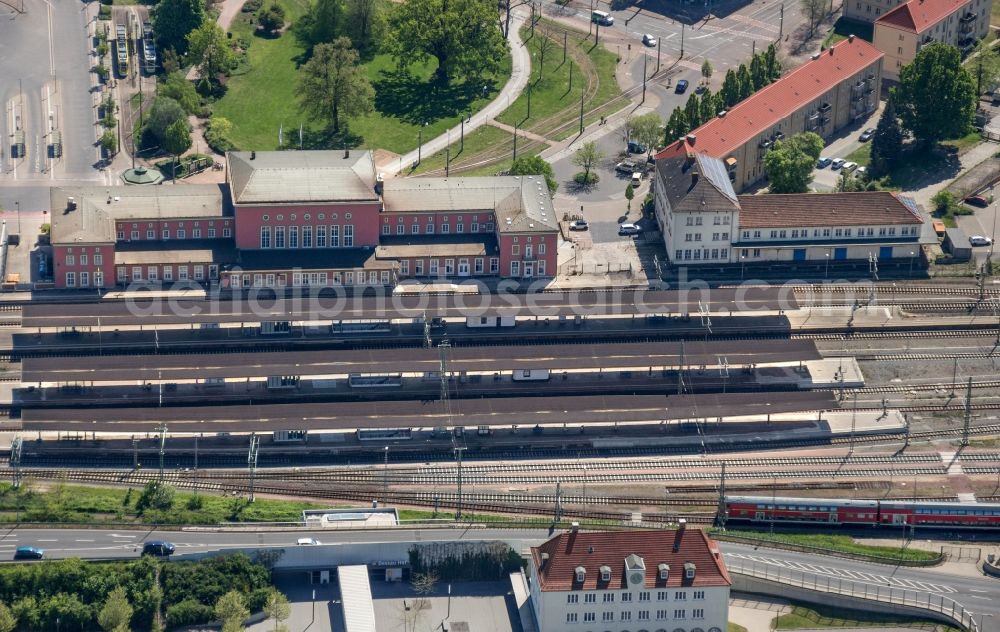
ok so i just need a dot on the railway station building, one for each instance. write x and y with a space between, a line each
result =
832 90
704 222
303 219
656 580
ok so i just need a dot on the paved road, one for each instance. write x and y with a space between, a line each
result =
44 71
977 593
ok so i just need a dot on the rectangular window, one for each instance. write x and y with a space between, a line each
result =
279 236
182 273
430 229
698 613
71 260
98 279
626 597
541 267
400 229
348 235
195 233
211 233
460 227
643 615
699 594
515 268
570 617
475 227
433 266
678 614
661 595
121 274
199 273
165 233
121 234
71 279
134 234
644 596
321 236
83 259
478 265
151 273
265 236
136 273
415 229
404 267
680 595
626 616
293 236
307 236
181 233
84 279
418 267
607 616
445 228
227 232
449 266
335 236
661 615
609 597
589 617
385 229
168 273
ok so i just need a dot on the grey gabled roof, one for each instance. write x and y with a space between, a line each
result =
710 191
520 203
301 176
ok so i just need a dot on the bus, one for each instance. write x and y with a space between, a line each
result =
121 50
148 50
602 17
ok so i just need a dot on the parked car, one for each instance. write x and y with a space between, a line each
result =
979 240
823 161
28 553
158 548
681 86
636 178
867 135
579 224
649 40
977 200
308 542
861 172
849 166
837 163
636 148
627 167
629 229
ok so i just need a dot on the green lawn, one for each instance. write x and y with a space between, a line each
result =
261 98
735 627
553 100
841 543
844 27
862 155
812 617
477 142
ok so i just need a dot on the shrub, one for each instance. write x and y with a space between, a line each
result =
586 179
188 612
217 135
101 71
104 13
155 495
252 6
109 142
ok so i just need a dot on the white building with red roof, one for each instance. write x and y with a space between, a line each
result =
641 581
832 90
902 32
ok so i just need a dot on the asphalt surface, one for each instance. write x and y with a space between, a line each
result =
45 72
977 593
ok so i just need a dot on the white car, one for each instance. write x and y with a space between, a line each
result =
861 172
649 40
850 166
579 224
308 542
837 163
979 240
629 229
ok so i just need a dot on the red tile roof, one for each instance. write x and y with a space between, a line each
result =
591 550
771 104
917 16
796 210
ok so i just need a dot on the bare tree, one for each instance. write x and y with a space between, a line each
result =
815 11
424 583
545 44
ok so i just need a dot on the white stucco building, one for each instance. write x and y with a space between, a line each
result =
629 581
704 222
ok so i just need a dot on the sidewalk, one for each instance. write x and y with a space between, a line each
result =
520 71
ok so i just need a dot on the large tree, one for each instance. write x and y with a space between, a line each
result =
277 609
758 71
706 108
174 19
210 50
936 97
365 19
116 613
692 110
177 142
333 84
8 622
677 126
648 130
462 35
535 166
231 609
746 81
986 65
178 88
771 63
730 89
790 163
321 24
164 112
887 144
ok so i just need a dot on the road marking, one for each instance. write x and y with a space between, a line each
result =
48 540
83 540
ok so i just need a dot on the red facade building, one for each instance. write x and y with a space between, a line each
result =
302 219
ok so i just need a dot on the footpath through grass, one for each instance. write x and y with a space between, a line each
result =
838 543
554 102
813 617
261 98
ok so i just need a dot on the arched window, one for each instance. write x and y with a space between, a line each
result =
697 630
714 630
678 629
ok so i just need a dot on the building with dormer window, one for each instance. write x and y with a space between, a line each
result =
632 581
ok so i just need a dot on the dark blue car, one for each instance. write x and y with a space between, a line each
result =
681 87
158 548
28 553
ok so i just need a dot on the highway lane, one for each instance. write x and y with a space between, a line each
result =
977 593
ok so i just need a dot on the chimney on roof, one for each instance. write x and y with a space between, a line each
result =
694 177
379 184
682 524
574 526
850 38
545 559
831 51
253 155
722 114
691 138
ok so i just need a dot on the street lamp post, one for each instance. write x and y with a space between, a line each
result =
420 142
826 274
743 263
912 257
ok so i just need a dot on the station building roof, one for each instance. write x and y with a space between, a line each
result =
288 177
868 208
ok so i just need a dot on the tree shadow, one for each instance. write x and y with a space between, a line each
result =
324 138
400 94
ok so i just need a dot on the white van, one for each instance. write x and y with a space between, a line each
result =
602 17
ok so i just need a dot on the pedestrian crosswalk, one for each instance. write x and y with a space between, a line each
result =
846 574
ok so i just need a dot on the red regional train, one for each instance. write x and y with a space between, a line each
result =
870 513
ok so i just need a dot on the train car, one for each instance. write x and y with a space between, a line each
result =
929 514
490 322
121 50
873 513
386 380
530 375
148 50
767 509
385 434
